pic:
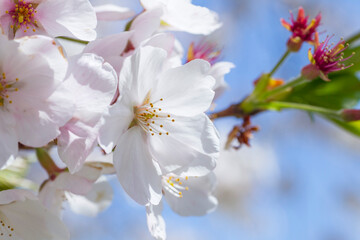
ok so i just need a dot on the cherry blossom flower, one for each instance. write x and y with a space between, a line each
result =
182 15
24 217
158 125
302 31
91 83
72 18
325 60
32 105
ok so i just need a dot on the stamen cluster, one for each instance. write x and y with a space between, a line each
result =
23 16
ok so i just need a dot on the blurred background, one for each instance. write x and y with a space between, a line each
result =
299 180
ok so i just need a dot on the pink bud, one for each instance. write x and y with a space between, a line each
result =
350 115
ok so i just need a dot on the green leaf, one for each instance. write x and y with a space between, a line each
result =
352 127
343 91
355 59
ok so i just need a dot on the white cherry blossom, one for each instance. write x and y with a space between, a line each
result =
158 124
72 18
32 105
23 217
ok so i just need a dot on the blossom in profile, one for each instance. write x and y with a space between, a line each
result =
72 18
91 82
325 59
210 52
158 124
24 217
301 29
33 107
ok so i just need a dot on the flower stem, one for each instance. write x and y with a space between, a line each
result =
47 162
300 106
74 40
275 91
282 59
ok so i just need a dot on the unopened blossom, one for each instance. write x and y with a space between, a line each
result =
72 18
350 115
32 105
22 216
211 53
325 59
158 124
91 82
302 30
187 196
182 15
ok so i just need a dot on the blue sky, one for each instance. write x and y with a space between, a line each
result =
318 163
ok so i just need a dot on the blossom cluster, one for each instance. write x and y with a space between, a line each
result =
128 94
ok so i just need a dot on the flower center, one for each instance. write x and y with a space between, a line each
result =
175 185
151 118
5 88
23 15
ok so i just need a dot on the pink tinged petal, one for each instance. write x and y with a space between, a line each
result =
92 83
73 18
140 73
197 199
47 48
165 41
97 200
39 121
185 90
73 183
75 143
51 197
218 71
30 220
8 139
145 25
12 195
138 174
115 124
110 12
110 46
155 222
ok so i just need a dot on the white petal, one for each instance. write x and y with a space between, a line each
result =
197 200
109 46
12 195
140 73
110 12
115 124
191 146
136 170
155 221
73 18
145 25
96 201
218 71
9 139
200 135
186 90
165 41
30 220
182 15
